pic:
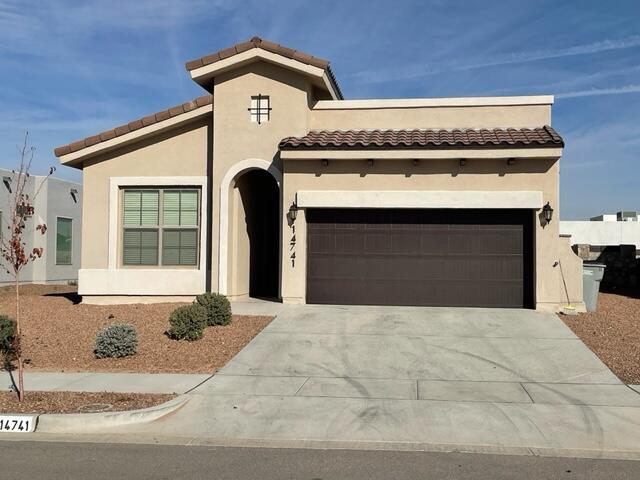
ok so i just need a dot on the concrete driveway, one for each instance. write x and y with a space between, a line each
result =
479 379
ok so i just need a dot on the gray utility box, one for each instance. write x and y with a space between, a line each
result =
592 274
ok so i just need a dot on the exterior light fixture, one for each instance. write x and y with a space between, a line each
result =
293 212
74 194
547 212
370 162
325 162
511 161
463 162
416 162
7 183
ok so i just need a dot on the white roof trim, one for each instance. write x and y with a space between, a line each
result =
202 74
433 102
136 135
419 199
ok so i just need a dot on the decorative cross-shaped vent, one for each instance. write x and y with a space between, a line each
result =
260 109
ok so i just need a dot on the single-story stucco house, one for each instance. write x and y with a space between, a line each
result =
273 185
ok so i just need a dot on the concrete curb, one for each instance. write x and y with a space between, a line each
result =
93 422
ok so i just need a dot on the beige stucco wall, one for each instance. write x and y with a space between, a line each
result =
517 116
239 244
180 152
237 139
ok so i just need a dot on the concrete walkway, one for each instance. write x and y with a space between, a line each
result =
478 379
107 382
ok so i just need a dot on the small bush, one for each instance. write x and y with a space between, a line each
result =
7 332
218 308
116 341
188 322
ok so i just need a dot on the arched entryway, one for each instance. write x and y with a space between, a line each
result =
250 232
259 197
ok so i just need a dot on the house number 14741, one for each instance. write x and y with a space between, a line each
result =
16 423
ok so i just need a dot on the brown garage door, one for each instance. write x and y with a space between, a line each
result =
479 258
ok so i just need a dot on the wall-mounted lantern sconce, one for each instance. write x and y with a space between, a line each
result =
547 213
293 212
463 162
7 183
370 162
74 194
511 161
416 162
325 162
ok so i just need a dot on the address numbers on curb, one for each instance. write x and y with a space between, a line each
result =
17 423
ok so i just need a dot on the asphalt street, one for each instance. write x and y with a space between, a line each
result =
49 460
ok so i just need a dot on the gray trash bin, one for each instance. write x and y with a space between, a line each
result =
592 274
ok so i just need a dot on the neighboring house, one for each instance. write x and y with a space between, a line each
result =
59 206
273 185
608 230
621 216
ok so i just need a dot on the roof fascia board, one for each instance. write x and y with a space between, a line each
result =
433 102
418 154
71 158
202 74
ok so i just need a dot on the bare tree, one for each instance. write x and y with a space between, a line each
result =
13 248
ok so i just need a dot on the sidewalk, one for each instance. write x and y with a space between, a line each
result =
107 382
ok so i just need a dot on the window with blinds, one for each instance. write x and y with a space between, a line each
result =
160 227
64 229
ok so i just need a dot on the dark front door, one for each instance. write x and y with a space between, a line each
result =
475 258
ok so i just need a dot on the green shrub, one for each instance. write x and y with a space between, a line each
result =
188 322
7 332
218 308
116 341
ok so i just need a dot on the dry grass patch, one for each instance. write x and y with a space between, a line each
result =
59 334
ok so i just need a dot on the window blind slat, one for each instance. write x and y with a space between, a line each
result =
150 208
171 208
170 256
132 205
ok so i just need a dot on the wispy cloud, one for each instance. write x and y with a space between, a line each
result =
498 59
600 91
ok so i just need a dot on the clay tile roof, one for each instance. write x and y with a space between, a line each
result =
257 42
420 138
134 125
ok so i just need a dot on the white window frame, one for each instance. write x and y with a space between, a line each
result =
159 227
56 239
119 183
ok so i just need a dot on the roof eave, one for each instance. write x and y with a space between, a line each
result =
204 75
399 153
75 159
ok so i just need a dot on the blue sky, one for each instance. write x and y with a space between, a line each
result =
74 68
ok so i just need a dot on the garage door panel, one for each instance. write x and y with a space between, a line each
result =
432 242
420 257
405 243
349 242
322 242
377 243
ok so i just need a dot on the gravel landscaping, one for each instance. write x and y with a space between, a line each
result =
60 334
613 333
78 402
